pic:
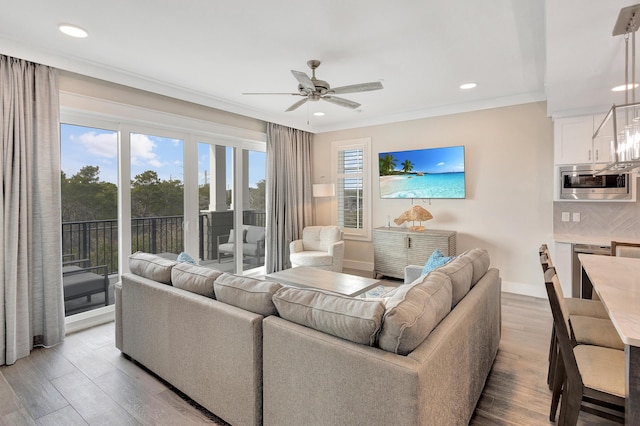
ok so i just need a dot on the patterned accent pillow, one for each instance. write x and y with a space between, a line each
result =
185 258
436 260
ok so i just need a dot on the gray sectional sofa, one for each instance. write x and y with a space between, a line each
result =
257 352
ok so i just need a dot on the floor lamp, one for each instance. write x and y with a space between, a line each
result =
321 190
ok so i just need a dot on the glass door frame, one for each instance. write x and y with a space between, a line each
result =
237 147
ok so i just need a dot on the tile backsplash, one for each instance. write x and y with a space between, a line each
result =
598 219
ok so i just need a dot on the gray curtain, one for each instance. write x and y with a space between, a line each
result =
289 207
31 296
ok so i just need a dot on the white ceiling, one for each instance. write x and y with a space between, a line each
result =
211 51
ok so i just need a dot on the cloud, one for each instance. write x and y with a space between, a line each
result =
142 151
442 163
104 145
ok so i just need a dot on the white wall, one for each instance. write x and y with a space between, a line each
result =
509 170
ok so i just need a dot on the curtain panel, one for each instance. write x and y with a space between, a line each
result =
31 294
288 188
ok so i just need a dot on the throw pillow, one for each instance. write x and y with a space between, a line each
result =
185 258
247 293
150 266
350 318
436 260
414 311
193 278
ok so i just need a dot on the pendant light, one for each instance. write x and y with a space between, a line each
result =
621 126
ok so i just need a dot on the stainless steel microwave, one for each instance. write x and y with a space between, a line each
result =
579 183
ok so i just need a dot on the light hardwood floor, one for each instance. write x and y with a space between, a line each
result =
85 380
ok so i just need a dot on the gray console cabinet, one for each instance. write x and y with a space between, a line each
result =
395 248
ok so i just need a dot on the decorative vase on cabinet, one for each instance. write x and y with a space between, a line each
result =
395 248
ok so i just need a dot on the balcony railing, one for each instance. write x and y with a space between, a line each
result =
97 240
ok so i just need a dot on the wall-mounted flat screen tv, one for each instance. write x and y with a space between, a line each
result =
422 173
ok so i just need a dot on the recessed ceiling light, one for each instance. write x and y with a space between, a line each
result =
73 31
624 87
318 114
467 86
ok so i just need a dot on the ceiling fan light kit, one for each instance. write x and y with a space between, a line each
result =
314 89
621 125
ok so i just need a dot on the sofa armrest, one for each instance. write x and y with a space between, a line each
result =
336 249
296 246
411 273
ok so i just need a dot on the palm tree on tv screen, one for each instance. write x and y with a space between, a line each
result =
407 166
387 164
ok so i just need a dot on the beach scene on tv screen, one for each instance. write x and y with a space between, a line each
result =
422 173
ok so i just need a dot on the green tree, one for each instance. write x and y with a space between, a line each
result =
407 166
151 196
257 196
84 197
203 197
387 164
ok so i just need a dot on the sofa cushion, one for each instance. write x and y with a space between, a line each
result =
247 293
254 234
311 258
150 266
480 261
460 270
436 260
354 319
232 236
319 238
414 311
194 278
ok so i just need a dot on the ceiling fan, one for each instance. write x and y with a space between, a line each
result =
313 89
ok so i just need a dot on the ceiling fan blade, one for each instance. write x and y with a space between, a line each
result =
362 87
341 101
262 93
304 80
297 104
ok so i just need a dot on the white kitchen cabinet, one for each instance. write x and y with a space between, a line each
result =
573 140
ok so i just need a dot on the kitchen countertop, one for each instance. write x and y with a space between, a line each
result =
596 240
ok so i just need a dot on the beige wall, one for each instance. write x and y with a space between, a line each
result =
509 169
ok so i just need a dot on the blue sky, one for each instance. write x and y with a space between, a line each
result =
82 146
431 160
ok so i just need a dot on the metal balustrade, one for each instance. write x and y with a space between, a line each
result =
97 240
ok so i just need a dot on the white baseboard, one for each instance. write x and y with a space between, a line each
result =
524 289
90 319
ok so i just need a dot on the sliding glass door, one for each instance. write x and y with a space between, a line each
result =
157 194
231 190
89 195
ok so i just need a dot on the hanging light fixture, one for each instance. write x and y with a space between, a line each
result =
621 126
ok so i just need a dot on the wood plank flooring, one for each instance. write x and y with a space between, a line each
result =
86 380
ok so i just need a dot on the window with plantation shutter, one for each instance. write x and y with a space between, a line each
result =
351 168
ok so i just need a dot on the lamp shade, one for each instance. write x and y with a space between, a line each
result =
324 190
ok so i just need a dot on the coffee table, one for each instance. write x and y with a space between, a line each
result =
304 276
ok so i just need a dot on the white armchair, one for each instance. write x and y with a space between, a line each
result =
320 247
